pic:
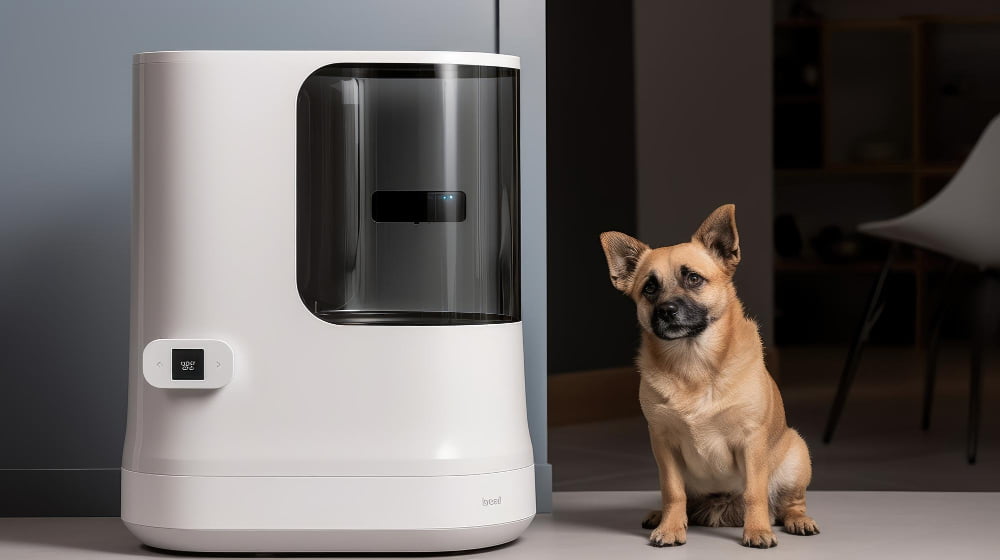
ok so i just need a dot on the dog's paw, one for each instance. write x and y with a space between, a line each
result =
801 525
668 535
759 538
652 520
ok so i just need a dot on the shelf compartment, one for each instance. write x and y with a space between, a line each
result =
868 80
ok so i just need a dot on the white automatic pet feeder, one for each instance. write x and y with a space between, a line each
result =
326 348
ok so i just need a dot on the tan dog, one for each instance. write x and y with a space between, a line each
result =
716 421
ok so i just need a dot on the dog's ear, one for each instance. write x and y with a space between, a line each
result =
623 253
718 235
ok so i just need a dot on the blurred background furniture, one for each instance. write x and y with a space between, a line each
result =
872 116
871 106
963 223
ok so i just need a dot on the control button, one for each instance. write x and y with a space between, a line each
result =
187 363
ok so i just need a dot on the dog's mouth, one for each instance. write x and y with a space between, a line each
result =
666 331
679 319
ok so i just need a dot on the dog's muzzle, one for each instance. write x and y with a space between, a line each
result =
678 318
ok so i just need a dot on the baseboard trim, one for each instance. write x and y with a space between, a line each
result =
543 488
576 397
593 395
60 492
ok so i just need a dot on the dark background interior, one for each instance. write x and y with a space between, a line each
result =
914 78
591 180
870 109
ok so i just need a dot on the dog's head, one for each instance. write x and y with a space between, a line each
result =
678 290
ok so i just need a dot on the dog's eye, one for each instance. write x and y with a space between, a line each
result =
694 279
650 287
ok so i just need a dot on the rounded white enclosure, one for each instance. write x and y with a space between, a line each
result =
326 349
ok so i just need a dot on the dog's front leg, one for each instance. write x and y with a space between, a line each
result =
672 529
757 531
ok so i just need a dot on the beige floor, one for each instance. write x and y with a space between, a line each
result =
605 525
878 445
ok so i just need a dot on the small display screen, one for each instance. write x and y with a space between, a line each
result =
188 364
418 206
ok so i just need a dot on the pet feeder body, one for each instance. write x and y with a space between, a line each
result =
359 344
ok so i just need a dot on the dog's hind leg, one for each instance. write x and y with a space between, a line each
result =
716 510
652 519
792 513
787 489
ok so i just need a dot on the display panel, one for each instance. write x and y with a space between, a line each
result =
408 194
187 364
418 206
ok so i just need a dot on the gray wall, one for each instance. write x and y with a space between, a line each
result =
65 189
703 129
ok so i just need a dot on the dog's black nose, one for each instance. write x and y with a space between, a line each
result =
667 310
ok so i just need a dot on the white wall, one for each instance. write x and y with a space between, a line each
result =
703 129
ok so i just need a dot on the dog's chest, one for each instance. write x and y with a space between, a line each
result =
701 428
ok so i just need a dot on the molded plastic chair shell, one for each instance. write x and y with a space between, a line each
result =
963 220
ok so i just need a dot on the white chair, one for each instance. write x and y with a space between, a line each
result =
962 222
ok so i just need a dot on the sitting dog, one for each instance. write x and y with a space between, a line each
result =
717 426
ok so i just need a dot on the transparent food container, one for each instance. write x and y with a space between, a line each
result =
408 194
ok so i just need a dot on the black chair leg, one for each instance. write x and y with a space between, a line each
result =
933 345
985 321
872 313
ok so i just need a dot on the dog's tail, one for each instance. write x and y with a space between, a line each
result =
716 510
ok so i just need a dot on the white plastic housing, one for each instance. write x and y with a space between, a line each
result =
325 437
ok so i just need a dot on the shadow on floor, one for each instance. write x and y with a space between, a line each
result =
622 514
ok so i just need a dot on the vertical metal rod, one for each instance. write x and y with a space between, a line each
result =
985 322
860 338
933 346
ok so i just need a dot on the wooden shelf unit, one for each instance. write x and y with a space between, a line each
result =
915 161
813 265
